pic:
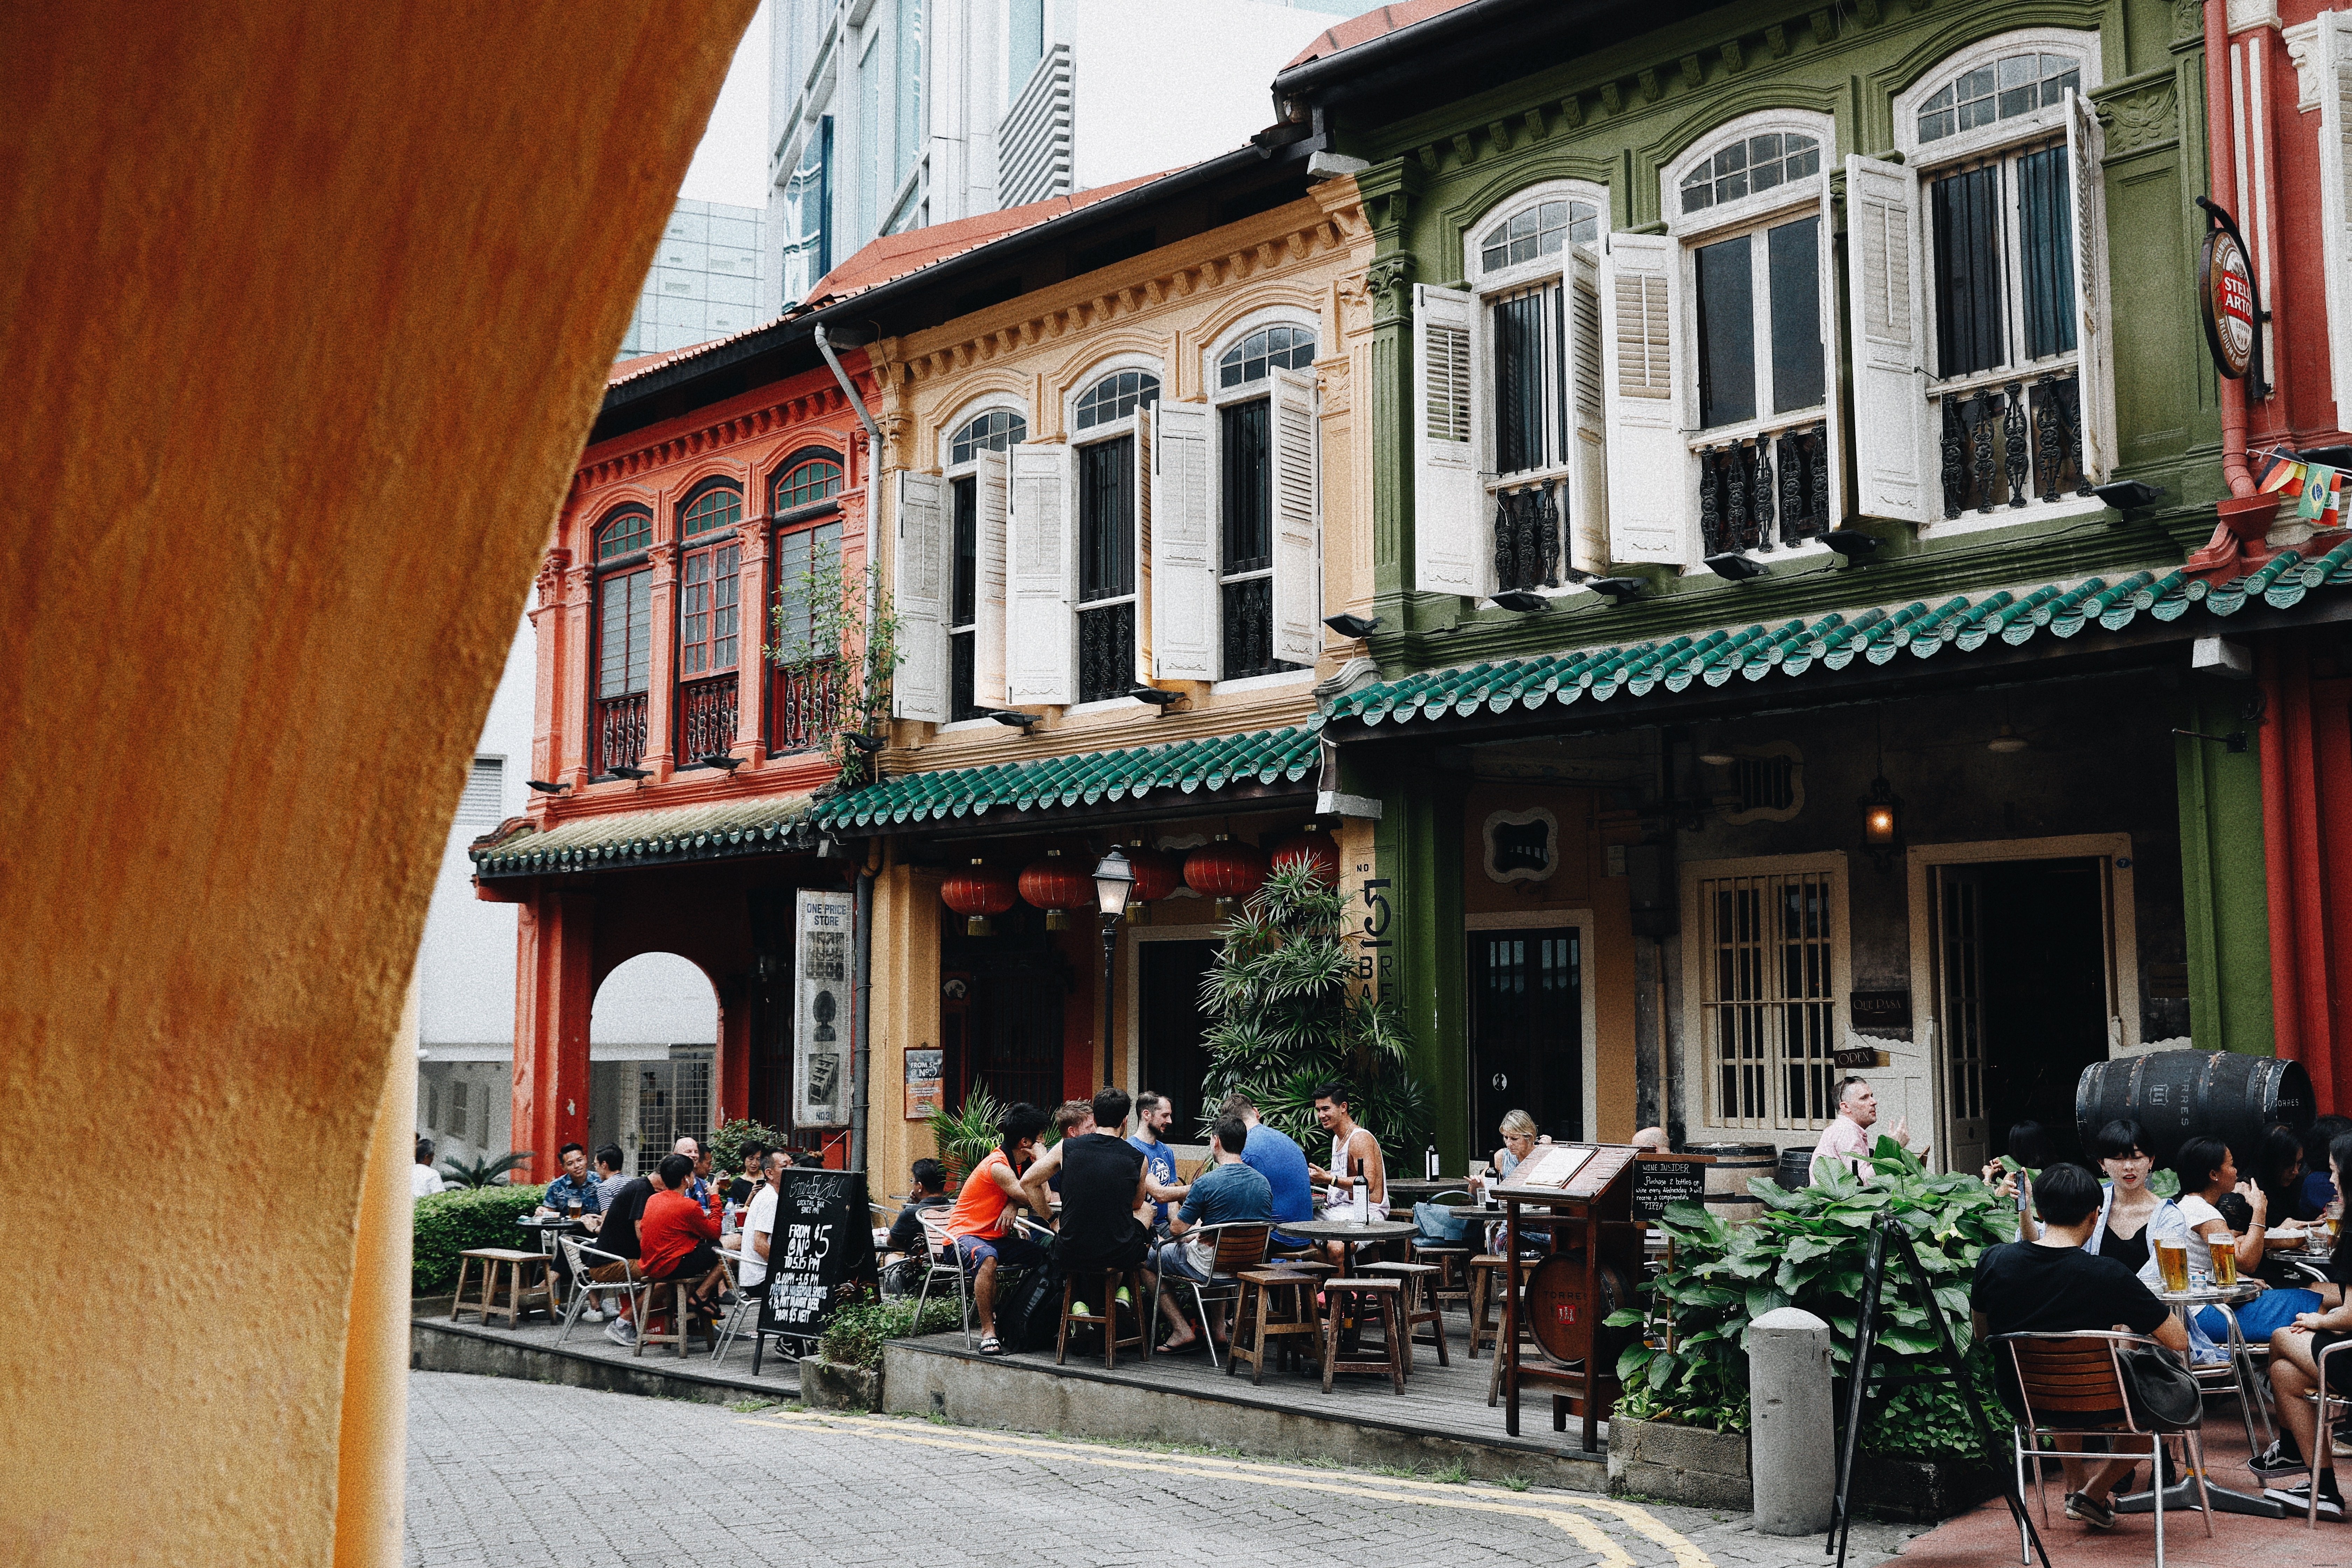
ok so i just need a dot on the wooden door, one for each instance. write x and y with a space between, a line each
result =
1527 1031
1961 1014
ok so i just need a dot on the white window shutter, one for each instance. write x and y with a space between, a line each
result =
1183 546
2336 199
919 688
1297 505
1588 437
1449 551
2093 337
1139 661
992 500
1833 406
1649 462
1886 324
1041 633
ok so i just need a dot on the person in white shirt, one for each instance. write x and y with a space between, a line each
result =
759 1226
422 1177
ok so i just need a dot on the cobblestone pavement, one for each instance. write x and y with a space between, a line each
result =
507 1473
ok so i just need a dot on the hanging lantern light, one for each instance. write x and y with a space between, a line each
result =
1056 887
1311 845
1227 871
976 894
1158 875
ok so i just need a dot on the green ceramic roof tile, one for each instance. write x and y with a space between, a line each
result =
747 825
1963 621
1086 778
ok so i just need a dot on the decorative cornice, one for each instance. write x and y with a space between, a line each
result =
778 417
1389 280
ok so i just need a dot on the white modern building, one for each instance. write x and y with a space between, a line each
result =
653 1024
705 281
887 115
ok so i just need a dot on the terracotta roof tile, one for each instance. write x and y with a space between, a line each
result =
1379 22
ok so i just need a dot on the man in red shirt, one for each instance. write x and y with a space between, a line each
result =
678 1240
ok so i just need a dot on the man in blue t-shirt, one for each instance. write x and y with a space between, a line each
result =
1227 1192
1153 1114
1276 1155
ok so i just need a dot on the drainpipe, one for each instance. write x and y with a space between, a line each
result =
861 1053
2221 153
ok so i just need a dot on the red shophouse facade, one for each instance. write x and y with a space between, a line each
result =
683 531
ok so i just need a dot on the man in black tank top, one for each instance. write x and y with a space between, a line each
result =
1102 1186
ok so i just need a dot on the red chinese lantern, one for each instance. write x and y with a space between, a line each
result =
1226 870
976 894
1158 875
1313 845
1056 887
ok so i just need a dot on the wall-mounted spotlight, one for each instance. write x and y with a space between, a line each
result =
2129 494
721 760
543 787
640 774
1522 600
1618 589
1735 567
1852 544
1155 696
1014 718
864 741
1350 625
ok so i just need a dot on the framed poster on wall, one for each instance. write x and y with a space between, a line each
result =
821 1008
924 1069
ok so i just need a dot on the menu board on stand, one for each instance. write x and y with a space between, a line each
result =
820 1255
1582 1199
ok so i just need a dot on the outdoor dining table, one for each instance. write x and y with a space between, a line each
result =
1420 1189
1379 1231
2182 1493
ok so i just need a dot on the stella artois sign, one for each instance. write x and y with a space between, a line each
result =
2228 304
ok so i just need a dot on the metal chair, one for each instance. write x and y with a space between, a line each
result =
580 1258
747 1305
2336 1403
1238 1246
2072 1384
946 1263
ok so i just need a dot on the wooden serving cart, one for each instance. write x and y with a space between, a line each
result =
1582 1199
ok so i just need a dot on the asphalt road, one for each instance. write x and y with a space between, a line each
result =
506 1473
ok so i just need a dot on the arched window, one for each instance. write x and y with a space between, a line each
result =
1751 166
806 479
625 642
1264 352
991 432
624 534
720 506
709 621
1999 89
1115 396
1538 230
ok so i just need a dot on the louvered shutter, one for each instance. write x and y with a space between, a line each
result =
1833 406
1649 462
2336 199
1296 506
919 597
1581 395
1449 554
1886 269
2084 146
1138 658
990 500
1041 646
1183 546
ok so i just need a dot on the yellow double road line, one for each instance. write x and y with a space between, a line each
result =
1561 1514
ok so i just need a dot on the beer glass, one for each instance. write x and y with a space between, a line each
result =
2225 1265
2172 1262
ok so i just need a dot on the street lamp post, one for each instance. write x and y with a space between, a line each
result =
1113 881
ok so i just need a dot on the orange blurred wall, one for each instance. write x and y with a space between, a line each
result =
304 313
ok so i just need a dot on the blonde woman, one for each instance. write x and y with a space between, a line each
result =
1518 1132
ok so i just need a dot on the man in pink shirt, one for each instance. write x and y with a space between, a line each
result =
1849 1137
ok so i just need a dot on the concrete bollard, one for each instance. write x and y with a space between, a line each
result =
1792 1446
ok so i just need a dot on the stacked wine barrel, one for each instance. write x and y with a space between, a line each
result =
2179 1095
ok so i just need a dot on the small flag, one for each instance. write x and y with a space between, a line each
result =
2318 495
2281 473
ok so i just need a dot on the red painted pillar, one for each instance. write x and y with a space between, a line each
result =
554 931
2306 742
734 1066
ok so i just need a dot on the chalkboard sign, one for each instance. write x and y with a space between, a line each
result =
1657 1183
821 1252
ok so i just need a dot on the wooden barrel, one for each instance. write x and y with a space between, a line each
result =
2179 1095
1736 1166
1795 1170
1562 1319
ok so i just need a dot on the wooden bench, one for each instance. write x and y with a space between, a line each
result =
521 1294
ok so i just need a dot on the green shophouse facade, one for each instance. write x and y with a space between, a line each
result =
1871 297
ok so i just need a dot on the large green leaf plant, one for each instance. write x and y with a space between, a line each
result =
1807 1249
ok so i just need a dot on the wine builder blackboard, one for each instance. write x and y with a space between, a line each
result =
1657 1183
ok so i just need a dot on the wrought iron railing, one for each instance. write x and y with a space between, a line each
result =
1248 629
1772 488
1529 522
620 732
805 707
1107 651
706 717
2012 442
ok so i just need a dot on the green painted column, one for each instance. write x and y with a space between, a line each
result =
1420 847
2223 896
1389 190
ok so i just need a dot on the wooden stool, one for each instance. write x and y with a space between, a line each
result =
1279 1304
1419 1304
518 1294
1485 1269
1454 1268
677 1318
1108 1319
1366 1295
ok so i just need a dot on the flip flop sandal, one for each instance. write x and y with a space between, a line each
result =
992 1345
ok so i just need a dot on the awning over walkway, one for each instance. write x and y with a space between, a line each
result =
718 830
1877 635
1020 796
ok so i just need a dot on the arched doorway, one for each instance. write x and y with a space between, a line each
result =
653 1037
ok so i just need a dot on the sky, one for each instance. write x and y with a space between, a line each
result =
731 164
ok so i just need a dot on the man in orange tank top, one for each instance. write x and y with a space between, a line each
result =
980 1225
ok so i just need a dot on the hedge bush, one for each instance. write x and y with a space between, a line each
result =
449 1223
854 1336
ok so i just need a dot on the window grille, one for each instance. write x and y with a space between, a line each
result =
1765 784
623 535
1262 354
1749 166
1767 1000
963 611
482 807
806 482
672 1102
991 432
1115 396
2012 85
